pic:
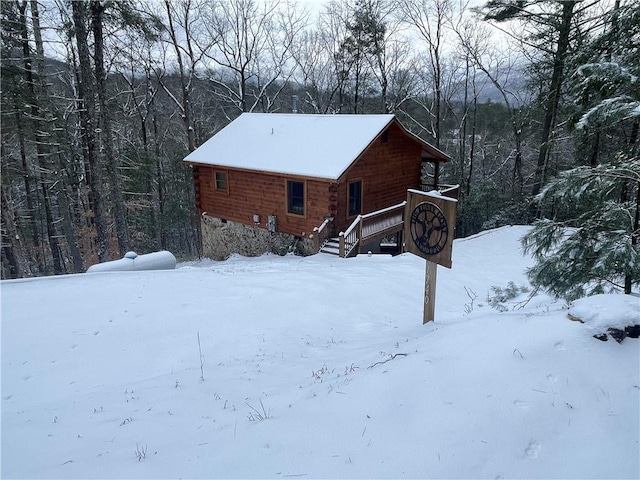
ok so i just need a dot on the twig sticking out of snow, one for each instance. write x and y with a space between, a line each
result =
258 415
201 360
391 357
141 452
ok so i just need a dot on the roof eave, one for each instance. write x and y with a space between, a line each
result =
192 163
435 152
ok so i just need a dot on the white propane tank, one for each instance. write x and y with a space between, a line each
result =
131 262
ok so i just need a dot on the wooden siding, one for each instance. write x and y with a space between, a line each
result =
387 170
263 194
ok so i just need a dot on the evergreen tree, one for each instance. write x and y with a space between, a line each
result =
593 249
590 243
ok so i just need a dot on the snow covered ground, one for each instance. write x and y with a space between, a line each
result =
314 367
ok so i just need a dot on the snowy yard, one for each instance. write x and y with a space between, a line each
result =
314 367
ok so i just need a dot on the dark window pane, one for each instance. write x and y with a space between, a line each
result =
295 197
355 198
221 181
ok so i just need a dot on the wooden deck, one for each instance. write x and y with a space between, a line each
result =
368 228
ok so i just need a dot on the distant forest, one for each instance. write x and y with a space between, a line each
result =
102 99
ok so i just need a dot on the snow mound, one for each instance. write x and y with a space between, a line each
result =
601 312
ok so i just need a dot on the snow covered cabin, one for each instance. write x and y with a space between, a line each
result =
272 182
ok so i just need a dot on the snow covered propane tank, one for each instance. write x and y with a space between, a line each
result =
131 261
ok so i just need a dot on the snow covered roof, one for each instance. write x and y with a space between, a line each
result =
322 146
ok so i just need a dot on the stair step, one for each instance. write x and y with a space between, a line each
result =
331 246
330 250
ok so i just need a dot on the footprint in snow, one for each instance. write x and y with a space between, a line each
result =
521 404
533 449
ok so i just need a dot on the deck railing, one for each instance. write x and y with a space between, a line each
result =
382 222
379 224
371 226
321 233
349 239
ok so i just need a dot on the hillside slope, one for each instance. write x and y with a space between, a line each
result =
314 367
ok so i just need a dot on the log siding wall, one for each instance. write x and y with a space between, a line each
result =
264 194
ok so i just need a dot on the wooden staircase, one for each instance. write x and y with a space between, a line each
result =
331 246
365 228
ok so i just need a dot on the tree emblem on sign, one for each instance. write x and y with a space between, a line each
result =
429 229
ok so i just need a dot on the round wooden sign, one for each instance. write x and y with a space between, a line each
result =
429 229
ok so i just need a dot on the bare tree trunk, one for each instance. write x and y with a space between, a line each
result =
86 108
28 177
104 120
462 141
159 193
472 147
185 77
41 134
12 248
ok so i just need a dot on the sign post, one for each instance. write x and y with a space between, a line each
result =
429 292
430 220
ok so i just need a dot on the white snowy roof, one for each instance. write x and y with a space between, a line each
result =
322 146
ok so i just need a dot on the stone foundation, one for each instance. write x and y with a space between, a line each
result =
221 238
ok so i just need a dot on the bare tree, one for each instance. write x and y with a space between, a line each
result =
14 261
182 25
429 18
88 120
315 73
332 24
41 134
500 68
20 194
137 66
51 143
254 50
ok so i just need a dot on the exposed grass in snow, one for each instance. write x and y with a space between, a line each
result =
316 367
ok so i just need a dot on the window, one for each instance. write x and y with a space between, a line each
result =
295 197
385 136
221 182
355 198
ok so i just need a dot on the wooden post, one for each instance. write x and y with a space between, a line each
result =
430 292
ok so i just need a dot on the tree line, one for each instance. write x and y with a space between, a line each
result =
101 100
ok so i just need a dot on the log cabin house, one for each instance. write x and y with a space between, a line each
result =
272 182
